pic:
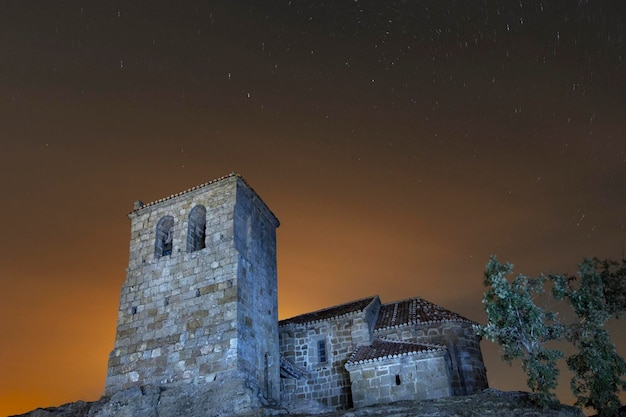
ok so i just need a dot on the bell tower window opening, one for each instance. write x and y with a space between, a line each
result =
196 229
164 237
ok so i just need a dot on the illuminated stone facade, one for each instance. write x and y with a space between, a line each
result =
199 307
390 371
307 375
199 303
378 353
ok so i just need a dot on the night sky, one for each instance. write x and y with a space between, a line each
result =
400 143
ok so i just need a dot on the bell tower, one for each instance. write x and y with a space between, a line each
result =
199 303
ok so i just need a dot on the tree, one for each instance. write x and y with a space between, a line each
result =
598 294
521 327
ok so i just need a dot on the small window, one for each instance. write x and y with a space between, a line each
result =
164 237
398 382
321 351
196 230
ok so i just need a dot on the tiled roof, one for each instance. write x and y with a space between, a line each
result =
289 370
383 349
329 313
142 205
232 174
413 311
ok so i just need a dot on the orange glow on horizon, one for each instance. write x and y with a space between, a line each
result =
399 147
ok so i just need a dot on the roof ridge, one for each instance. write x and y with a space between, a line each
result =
376 352
139 205
415 310
143 205
314 314
404 300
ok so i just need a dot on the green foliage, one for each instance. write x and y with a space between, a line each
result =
597 373
521 327
598 294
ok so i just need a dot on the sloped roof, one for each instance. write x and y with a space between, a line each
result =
413 311
329 313
289 370
384 349
142 205
232 174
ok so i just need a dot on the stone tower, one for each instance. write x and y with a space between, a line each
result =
199 304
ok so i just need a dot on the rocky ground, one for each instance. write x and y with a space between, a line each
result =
156 402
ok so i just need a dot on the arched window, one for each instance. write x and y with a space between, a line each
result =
196 231
164 237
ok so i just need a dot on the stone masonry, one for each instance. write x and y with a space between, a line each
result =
198 314
455 333
390 371
364 352
199 303
323 378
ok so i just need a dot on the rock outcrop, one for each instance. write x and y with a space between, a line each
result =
191 401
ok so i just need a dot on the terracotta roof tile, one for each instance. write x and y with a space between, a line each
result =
329 313
140 205
144 205
289 370
383 349
413 311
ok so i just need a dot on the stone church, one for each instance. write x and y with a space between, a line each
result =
199 306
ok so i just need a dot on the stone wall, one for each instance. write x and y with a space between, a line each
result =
410 377
197 316
326 382
257 312
467 370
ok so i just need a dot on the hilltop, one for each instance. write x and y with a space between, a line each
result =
181 401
